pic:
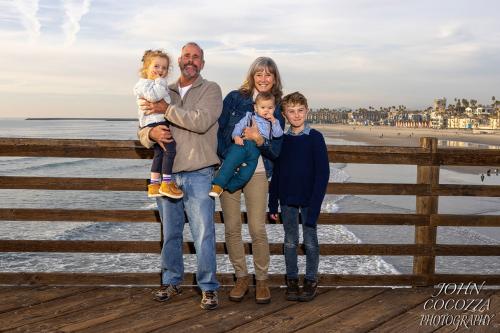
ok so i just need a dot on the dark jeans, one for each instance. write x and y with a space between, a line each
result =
231 178
290 216
163 161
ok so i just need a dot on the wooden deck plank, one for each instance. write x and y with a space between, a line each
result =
300 315
412 320
371 313
275 280
492 327
151 316
230 314
29 316
182 309
28 296
121 309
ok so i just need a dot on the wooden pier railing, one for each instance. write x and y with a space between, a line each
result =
428 158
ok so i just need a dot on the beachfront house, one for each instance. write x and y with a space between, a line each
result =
438 120
460 122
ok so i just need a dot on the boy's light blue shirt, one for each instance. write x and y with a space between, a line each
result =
305 130
263 125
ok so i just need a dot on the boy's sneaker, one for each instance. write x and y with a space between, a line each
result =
292 289
166 292
154 190
209 301
170 189
216 191
308 291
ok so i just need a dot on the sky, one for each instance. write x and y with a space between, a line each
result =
80 58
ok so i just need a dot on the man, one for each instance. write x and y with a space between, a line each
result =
196 106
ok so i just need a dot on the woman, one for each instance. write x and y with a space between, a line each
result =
263 76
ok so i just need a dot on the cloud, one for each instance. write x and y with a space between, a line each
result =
74 10
28 10
354 53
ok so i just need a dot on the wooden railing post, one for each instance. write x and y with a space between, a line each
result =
426 205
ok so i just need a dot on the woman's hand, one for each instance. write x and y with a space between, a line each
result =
273 216
252 133
150 107
238 140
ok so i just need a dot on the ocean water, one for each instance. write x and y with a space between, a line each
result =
126 130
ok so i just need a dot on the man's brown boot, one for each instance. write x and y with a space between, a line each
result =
240 289
262 293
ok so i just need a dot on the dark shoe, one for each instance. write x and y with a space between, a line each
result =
166 292
262 293
209 301
308 291
292 289
240 289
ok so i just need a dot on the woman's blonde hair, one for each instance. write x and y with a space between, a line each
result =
148 56
263 64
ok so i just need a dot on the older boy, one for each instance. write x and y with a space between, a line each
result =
299 183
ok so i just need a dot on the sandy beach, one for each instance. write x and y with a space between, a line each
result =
410 137
403 136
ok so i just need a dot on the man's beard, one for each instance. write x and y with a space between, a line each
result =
187 74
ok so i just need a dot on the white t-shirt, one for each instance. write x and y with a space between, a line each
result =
183 90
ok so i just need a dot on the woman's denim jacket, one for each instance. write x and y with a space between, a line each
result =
235 107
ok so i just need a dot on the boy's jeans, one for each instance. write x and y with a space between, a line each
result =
200 208
290 215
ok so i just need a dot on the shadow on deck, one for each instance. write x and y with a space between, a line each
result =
124 309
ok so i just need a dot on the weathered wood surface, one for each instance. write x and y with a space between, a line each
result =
123 309
132 184
126 216
126 149
426 205
151 279
85 215
81 246
129 149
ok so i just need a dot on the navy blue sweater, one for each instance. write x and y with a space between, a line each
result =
301 174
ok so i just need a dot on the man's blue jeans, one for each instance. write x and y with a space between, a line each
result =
290 216
227 176
200 208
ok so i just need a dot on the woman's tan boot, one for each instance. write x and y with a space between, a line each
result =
262 293
240 289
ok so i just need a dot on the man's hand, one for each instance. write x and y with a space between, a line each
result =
252 133
238 140
150 107
161 135
273 216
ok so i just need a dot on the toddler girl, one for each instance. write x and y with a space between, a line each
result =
153 87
